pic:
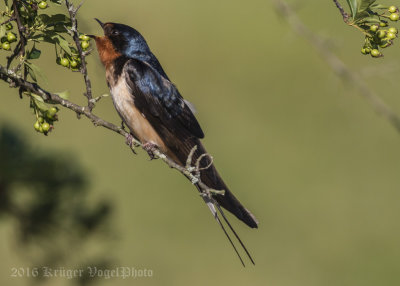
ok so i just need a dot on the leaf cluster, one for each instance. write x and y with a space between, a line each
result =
373 20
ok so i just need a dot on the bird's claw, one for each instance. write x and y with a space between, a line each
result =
150 148
130 141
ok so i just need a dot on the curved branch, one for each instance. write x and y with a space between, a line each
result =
13 79
337 65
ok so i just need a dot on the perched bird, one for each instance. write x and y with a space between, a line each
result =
157 115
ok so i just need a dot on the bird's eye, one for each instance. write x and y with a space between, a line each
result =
115 32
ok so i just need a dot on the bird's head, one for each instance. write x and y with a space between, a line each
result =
119 40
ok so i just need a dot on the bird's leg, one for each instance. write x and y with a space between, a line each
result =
150 148
130 141
123 125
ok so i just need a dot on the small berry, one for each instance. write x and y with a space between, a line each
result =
393 30
374 28
381 34
391 36
11 37
64 62
84 38
42 5
6 46
383 24
375 53
45 127
392 9
9 26
85 45
52 111
40 119
74 64
367 50
394 16
36 125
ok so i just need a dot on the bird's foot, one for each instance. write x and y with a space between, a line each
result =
150 148
130 141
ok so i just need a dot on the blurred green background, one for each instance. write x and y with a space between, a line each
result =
298 147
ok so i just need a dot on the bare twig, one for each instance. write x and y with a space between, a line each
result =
75 35
345 16
337 65
20 48
189 171
8 20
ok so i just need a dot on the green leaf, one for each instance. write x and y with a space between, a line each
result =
2 31
370 20
32 74
39 102
379 6
63 43
37 97
34 71
359 8
353 4
364 5
34 54
64 94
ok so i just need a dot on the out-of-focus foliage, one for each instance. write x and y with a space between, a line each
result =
45 195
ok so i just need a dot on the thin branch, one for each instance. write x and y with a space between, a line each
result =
75 35
337 65
12 78
8 20
345 16
20 48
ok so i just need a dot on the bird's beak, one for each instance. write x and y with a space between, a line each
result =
102 26
101 23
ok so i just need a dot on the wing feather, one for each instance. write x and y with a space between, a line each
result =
157 95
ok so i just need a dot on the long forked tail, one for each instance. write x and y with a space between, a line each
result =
214 207
210 178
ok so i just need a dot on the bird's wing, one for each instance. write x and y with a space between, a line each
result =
157 95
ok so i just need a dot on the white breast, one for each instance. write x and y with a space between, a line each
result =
138 124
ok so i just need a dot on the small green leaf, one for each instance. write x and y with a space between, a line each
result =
39 102
370 20
64 94
62 43
32 74
37 97
364 5
35 71
379 6
353 4
2 31
359 8
34 54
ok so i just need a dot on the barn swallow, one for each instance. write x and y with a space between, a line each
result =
152 108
